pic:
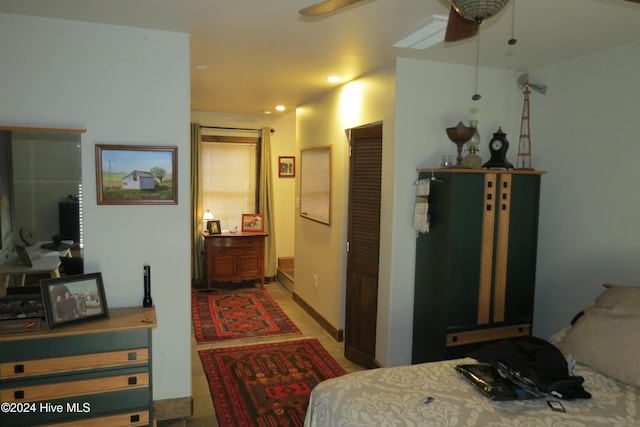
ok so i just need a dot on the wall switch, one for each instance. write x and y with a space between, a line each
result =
315 280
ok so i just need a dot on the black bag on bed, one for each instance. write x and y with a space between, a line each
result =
535 363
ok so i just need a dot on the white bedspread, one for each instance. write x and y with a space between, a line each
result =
394 397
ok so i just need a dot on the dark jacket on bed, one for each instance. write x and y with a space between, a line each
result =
534 363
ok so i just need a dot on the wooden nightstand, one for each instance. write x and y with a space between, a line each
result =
234 257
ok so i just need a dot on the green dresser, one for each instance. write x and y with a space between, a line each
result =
475 268
93 373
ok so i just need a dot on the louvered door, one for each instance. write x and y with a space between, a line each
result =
363 245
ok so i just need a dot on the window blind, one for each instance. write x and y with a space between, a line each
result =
229 181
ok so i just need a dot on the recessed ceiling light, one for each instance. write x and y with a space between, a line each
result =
333 79
266 112
280 107
203 66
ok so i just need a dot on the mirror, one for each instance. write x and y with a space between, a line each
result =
40 186
6 188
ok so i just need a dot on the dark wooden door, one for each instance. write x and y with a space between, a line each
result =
363 245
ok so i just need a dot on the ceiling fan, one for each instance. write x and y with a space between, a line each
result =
465 16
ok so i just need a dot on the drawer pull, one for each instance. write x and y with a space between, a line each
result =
132 356
18 394
18 369
135 418
133 380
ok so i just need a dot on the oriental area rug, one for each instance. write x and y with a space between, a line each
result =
266 384
220 315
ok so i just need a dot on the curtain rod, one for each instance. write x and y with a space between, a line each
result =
225 128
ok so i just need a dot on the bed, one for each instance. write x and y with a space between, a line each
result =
604 341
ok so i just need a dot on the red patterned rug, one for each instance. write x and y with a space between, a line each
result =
239 313
266 384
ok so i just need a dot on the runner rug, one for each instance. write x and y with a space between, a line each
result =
240 313
266 384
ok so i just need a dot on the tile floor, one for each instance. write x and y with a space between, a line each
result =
203 410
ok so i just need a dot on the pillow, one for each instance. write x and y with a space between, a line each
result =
606 337
624 300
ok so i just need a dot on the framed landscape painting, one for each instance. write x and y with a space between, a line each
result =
136 175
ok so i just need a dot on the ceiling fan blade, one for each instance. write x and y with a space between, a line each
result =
325 7
459 28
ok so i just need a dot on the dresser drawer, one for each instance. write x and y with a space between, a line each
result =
129 419
119 408
80 387
234 251
57 365
65 346
234 242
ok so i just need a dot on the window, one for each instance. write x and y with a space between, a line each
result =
229 178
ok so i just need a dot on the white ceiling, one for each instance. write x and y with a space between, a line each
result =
261 53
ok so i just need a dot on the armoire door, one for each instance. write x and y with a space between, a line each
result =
363 245
475 268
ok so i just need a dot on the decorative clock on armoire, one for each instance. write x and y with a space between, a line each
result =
498 147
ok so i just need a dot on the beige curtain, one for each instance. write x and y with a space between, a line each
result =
197 270
266 204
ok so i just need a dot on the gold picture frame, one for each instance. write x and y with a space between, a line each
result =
136 174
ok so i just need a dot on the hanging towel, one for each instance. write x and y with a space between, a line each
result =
421 216
423 186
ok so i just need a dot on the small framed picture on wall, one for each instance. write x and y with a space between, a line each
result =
286 167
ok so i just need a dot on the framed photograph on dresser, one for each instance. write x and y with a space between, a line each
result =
72 299
252 222
213 227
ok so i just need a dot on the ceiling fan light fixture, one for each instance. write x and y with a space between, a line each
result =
478 10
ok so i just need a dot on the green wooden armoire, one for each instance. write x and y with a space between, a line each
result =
475 267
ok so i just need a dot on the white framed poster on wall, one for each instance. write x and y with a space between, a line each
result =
315 184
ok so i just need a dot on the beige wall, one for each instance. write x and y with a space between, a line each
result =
578 134
320 248
282 144
416 101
